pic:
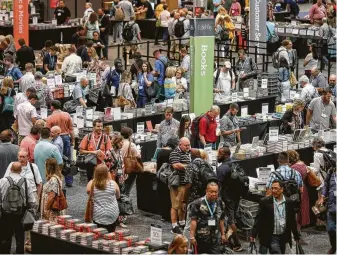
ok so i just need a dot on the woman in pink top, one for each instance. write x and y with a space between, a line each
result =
235 9
317 13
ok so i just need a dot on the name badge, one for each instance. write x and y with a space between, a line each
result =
282 222
59 14
211 222
140 87
324 115
119 171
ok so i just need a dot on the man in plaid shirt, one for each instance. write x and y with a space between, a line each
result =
285 171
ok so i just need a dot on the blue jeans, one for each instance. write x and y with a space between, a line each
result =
277 245
66 152
165 34
141 101
331 227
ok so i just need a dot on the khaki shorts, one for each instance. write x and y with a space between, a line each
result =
177 197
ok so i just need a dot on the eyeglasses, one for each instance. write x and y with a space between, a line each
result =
178 72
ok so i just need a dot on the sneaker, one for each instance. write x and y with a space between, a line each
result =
122 225
176 230
237 248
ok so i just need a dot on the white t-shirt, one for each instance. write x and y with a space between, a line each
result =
224 82
28 174
312 62
164 18
25 112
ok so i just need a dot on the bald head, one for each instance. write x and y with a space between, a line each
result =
55 131
16 167
314 71
184 144
332 80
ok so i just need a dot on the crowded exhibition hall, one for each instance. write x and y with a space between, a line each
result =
168 127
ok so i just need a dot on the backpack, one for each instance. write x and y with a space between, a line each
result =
15 196
206 174
275 58
218 74
164 172
290 189
239 180
119 14
8 104
223 35
195 126
179 28
128 32
329 158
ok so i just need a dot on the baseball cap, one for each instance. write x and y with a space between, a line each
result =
227 64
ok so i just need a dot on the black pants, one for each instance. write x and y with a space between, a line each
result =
208 247
129 183
90 172
11 224
277 245
110 227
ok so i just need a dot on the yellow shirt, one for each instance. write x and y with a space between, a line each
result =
158 10
228 26
246 3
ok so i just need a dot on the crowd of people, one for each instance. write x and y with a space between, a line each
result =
34 152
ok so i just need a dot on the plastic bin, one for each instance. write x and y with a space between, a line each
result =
249 205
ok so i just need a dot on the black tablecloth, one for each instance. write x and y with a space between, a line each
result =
37 38
42 244
254 106
279 16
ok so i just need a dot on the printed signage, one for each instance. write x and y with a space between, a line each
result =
21 21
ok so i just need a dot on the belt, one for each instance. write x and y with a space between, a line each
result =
64 134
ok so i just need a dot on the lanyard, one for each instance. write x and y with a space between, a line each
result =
278 211
117 158
209 208
243 63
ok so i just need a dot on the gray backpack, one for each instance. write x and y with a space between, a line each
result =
13 201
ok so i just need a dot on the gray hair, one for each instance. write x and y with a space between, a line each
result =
215 108
83 79
304 79
90 4
318 143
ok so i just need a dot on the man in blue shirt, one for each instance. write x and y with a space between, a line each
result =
45 150
12 70
270 29
55 132
159 67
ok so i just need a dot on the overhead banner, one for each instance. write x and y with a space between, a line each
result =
257 26
21 21
202 65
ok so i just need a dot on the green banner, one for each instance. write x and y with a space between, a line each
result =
202 69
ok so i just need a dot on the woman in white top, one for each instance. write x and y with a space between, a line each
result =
164 18
311 60
180 81
105 193
124 88
91 26
224 79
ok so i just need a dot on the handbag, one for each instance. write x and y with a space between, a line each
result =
29 216
84 161
158 23
89 210
60 201
292 79
69 167
313 179
299 249
132 164
125 205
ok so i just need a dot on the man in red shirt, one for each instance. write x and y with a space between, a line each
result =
28 143
207 127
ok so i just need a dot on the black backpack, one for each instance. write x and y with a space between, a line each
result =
239 180
206 173
291 189
329 158
195 126
128 32
179 29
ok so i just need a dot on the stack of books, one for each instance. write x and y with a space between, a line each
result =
87 238
65 234
55 231
75 237
117 246
38 225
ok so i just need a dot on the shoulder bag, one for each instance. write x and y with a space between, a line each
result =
85 160
30 215
60 201
89 211
313 179
132 164
273 37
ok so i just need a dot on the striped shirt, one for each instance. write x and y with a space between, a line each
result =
286 173
178 156
279 216
106 209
